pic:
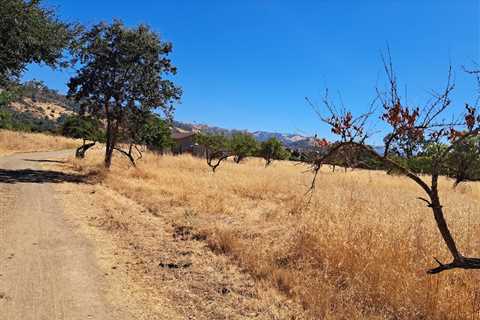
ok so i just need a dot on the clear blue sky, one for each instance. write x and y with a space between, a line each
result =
249 64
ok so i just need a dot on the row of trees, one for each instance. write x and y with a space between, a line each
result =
219 147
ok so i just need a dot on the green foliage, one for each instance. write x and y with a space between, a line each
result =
121 75
272 149
6 96
243 145
216 144
419 164
432 149
24 122
6 120
29 33
82 127
6 117
156 133
463 161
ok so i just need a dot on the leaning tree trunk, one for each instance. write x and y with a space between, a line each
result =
80 152
459 261
441 222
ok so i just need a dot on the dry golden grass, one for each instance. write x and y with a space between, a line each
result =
358 251
12 142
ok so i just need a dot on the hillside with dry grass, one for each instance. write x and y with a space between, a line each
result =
359 250
40 109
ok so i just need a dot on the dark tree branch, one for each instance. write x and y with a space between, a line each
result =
82 150
464 263
127 154
211 164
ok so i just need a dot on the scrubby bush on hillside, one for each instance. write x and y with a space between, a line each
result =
37 91
25 121
6 121
82 127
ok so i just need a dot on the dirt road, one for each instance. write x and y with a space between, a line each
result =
47 268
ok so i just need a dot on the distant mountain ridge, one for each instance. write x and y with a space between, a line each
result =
290 140
293 141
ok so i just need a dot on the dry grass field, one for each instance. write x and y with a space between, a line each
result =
12 141
359 250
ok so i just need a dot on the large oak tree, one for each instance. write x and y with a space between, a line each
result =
122 72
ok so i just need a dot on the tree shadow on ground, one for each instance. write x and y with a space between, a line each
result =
44 160
39 176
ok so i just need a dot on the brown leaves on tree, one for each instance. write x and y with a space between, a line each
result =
470 119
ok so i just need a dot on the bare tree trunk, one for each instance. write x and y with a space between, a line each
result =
268 161
440 220
110 145
445 231
237 159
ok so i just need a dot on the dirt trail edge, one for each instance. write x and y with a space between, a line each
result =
47 268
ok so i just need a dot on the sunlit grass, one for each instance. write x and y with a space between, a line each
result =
13 141
359 250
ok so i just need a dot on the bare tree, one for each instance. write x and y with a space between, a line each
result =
410 129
